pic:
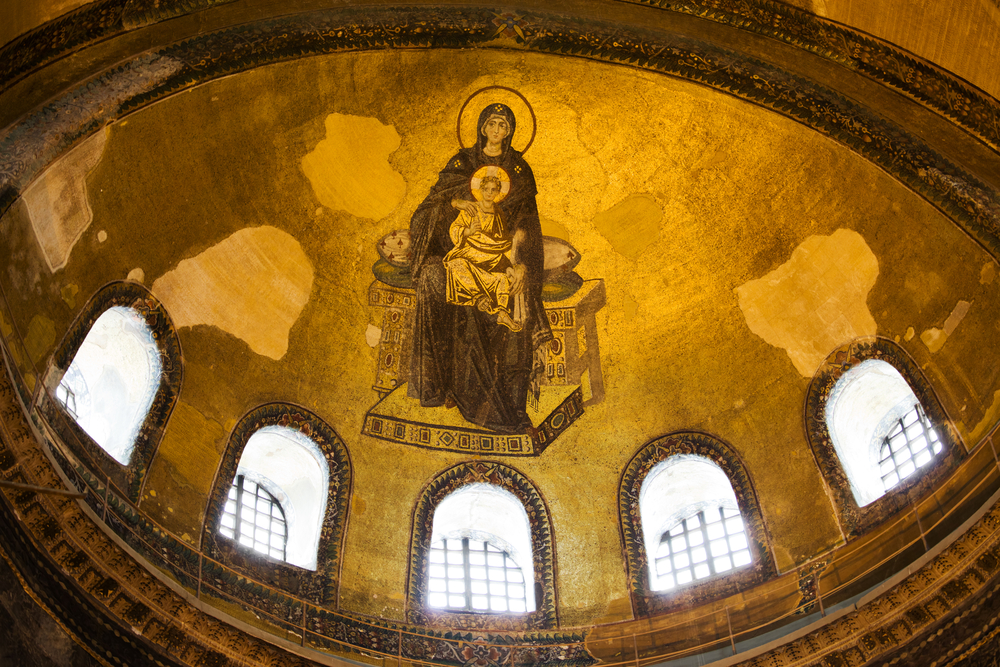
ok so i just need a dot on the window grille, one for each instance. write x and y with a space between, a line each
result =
911 444
473 575
67 397
709 542
259 516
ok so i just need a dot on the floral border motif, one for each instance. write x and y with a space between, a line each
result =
646 602
319 586
856 520
542 547
131 295
29 146
919 79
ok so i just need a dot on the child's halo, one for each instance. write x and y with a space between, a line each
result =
477 179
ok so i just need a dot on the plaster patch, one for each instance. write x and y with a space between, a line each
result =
40 337
373 335
988 420
958 313
102 236
68 294
57 201
190 449
252 285
815 301
987 273
136 275
349 169
631 225
910 333
935 338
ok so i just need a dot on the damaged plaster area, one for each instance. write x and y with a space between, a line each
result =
350 171
57 201
252 285
935 338
816 300
631 225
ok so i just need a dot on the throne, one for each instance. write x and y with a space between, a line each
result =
572 380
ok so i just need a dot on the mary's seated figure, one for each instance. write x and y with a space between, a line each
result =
463 355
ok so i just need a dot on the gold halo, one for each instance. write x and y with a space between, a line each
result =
490 171
468 115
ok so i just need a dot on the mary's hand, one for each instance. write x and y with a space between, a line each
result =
517 274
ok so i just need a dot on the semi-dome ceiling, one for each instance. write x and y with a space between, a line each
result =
732 223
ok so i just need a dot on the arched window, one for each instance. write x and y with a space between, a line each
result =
481 552
877 429
691 523
480 557
278 497
112 380
278 508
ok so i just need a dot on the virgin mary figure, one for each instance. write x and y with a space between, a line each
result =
461 355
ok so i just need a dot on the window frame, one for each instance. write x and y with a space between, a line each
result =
856 520
542 546
318 586
649 602
127 479
238 489
468 578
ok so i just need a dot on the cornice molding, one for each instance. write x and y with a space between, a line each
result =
29 146
934 87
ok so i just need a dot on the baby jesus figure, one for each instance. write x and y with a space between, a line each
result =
480 269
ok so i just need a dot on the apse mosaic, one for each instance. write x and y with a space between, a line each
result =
489 337
558 271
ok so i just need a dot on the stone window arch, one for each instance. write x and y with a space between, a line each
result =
686 501
114 381
303 464
878 431
483 504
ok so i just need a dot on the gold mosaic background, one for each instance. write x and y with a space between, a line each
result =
738 248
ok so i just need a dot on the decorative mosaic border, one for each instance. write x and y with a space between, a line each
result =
542 548
138 607
32 144
928 605
934 87
646 602
319 586
474 441
856 520
91 23
131 295
109 602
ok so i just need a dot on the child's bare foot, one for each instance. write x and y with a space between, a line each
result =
503 317
449 403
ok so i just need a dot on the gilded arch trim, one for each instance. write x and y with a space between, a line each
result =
152 76
542 547
879 60
132 295
646 602
319 586
855 520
